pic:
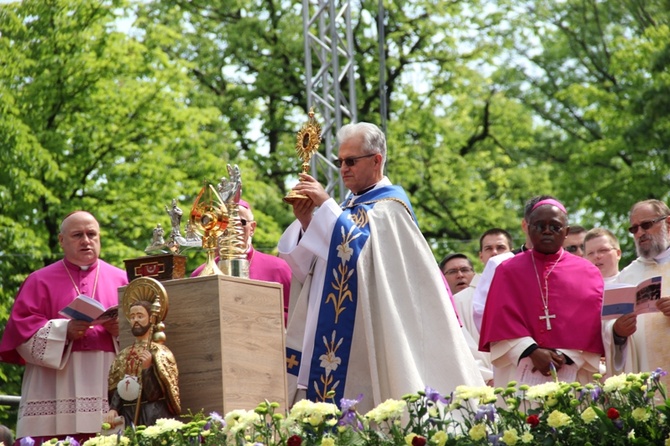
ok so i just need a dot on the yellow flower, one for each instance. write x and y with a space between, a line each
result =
510 437
440 438
311 412
527 438
558 419
328 441
478 431
589 415
315 419
667 441
389 409
484 394
409 438
640 414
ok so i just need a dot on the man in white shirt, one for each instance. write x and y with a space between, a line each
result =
650 226
491 243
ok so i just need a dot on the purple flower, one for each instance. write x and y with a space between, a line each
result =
71 441
349 416
595 393
494 439
487 410
27 441
657 374
216 417
347 405
435 396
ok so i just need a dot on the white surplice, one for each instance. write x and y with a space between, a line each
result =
406 335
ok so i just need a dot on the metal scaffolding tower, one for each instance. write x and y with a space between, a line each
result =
329 65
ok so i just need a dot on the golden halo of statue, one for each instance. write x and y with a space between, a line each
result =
147 289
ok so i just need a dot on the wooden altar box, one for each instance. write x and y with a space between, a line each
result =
227 335
160 267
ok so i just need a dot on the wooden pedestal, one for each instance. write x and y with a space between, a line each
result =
227 335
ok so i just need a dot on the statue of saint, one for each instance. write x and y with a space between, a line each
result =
175 217
143 379
230 189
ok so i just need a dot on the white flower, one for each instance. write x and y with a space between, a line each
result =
617 382
542 391
312 412
239 420
344 251
389 409
329 360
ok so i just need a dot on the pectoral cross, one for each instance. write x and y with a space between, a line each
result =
548 316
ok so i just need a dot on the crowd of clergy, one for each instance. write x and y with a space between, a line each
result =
559 306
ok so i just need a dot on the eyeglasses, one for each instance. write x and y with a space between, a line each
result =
574 248
646 225
463 270
553 227
351 161
599 252
244 221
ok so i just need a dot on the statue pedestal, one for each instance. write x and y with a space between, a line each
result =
227 335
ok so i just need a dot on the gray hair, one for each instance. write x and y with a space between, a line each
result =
374 140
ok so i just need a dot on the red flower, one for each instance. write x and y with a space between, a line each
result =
533 420
612 413
419 441
294 440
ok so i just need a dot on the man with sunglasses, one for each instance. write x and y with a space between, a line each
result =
264 267
543 311
373 318
574 241
650 227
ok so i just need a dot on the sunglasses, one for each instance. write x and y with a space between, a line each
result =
553 227
574 248
351 161
646 225
244 222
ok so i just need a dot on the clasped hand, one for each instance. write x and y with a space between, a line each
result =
77 329
543 357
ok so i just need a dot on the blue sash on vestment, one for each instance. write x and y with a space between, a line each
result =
335 327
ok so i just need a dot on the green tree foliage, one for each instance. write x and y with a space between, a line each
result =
596 74
489 103
90 119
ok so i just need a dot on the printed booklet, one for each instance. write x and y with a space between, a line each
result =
83 308
624 298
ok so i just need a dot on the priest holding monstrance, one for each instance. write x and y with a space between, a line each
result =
374 316
543 312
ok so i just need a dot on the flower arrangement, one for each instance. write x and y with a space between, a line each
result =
628 409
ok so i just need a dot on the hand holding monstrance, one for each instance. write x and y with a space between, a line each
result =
308 140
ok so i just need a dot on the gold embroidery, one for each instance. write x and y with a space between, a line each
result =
343 273
360 218
341 293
